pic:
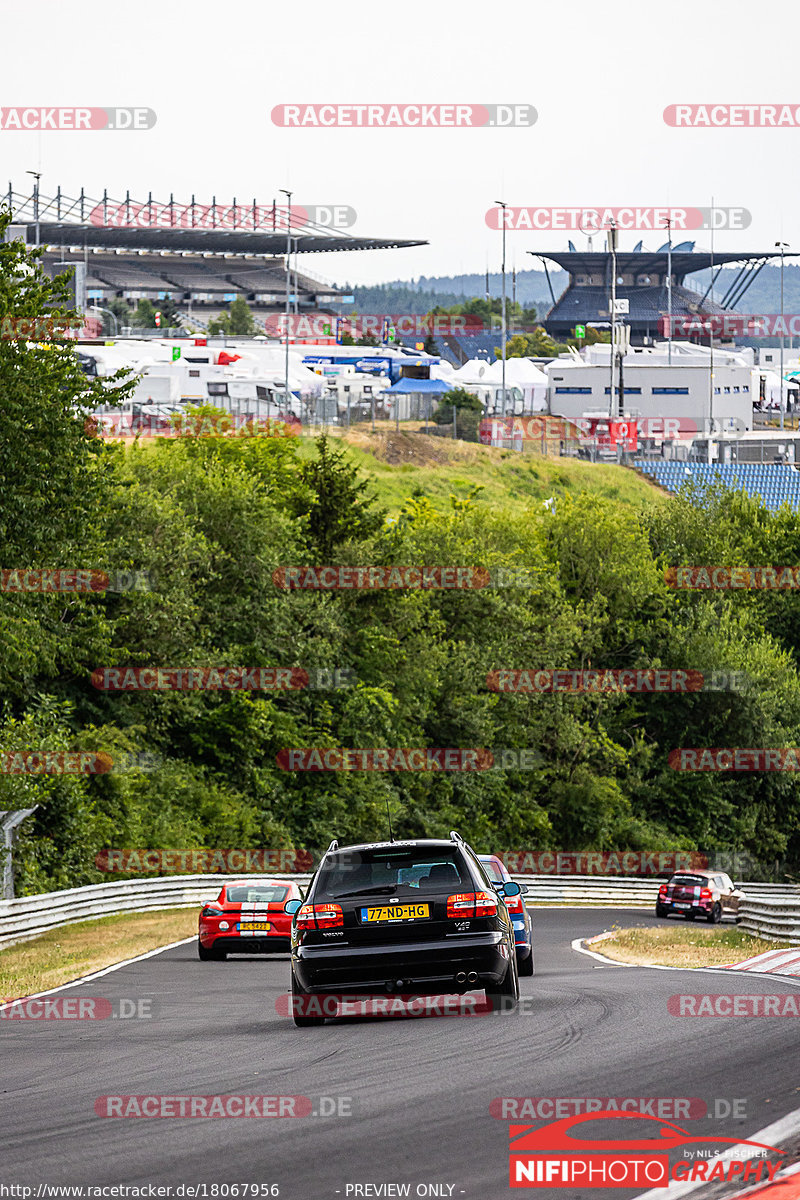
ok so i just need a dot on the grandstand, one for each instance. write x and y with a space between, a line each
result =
773 483
199 256
642 281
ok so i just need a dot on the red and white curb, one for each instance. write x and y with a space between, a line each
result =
771 962
785 1186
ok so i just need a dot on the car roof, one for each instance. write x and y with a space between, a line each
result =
689 871
421 842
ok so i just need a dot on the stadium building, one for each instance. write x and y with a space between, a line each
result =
200 256
642 283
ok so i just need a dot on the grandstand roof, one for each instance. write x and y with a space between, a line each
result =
684 262
214 241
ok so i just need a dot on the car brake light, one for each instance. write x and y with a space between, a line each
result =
705 894
662 891
319 916
461 904
211 911
514 904
472 904
485 904
328 915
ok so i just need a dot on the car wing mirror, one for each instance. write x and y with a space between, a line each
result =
291 906
511 889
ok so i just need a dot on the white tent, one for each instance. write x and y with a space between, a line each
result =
522 373
473 371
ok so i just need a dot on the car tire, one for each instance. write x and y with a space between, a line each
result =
211 955
525 966
505 996
661 911
715 916
302 1022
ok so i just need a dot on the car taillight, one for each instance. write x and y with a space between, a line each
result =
472 904
705 894
485 904
461 904
514 904
210 911
328 915
662 891
319 916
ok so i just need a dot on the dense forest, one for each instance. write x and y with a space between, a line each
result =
202 524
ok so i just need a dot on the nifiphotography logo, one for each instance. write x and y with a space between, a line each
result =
554 1157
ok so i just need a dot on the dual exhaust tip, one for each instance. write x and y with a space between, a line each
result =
462 978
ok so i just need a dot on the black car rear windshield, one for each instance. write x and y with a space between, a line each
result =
401 872
689 880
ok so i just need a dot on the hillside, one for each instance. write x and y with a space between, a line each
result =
407 462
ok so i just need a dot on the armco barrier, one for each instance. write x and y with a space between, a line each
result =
775 918
29 916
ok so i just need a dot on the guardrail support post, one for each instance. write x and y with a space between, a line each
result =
8 823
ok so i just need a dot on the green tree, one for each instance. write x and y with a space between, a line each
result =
240 318
460 399
339 507
220 324
145 315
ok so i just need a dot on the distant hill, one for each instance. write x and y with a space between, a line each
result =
420 295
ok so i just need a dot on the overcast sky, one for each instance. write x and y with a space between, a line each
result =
599 77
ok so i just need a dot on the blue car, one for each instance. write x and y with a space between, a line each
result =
498 872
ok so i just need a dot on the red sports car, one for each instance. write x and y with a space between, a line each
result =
247 918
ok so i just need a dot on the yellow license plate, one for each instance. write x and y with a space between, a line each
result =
254 926
395 912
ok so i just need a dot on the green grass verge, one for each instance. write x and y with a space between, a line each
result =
74 950
681 945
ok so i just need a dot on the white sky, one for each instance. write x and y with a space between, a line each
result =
599 76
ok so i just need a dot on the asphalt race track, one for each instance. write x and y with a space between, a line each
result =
419 1088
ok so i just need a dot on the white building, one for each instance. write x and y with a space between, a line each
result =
688 390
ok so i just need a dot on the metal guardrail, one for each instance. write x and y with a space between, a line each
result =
775 918
776 907
30 916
